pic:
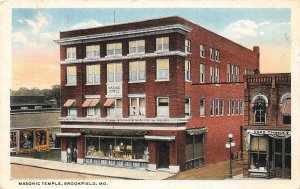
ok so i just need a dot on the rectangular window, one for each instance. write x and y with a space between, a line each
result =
93 111
217 107
187 46
162 44
228 107
212 74
258 153
137 106
72 111
187 70
212 106
114 72
202 50
93 74
237 72
222 107
163 107
115 110
187 106
114 49
202 73
242 107
228 72
217 75
232 107
233 73
162 69
137 71
202 106
212 53
246 71
137 47
93 51
71 53
217 55
237 111
71 75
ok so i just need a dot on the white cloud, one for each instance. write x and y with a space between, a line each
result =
20 21
241 28
89 24
19 37
261 33
36 24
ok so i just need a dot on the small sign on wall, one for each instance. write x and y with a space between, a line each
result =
114 89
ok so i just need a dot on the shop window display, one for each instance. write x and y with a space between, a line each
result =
26 139
41 138
258 154
13 139
194 151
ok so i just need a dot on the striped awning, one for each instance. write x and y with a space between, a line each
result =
69 103
109 102
94 102
163 138
90 102
68 134
286 107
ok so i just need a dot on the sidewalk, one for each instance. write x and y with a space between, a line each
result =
123 173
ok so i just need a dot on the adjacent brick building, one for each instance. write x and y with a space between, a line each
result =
161 93
267 129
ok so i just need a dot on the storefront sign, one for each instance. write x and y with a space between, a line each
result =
271 133
114 89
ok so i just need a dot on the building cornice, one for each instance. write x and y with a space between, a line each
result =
124 34
128 57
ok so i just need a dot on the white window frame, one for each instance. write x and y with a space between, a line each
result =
233 107
217 55
202 50
188 48
93 75
212 107
212 53
138 49
139 112
187 70
217 108
217 75
158 108
212 74
228 72
138 72
93 111
116 52
69 77
164 46
228 107
202 107
114 110
222 107
187 107
72 111
71 53
237 107
242 106
115 78
202 73
158 71
92 51
38 107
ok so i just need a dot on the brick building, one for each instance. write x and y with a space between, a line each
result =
267 129
157 94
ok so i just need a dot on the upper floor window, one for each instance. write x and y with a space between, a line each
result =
115 109
222 107
217 107
71 53
286 111
233 73
114 72
137 71
93 51
137 46
237 107
202 50
72 111
70 104
217 55
114 49
242 107
92 107
228 107
259 110
163 107
137 106
71 75
232 107
187 106
212 74
202 73
212 52
202 106
217 75
93 74
187 46
187 72
162 44
212 106
162 69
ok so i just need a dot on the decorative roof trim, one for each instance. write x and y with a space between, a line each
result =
124 34
260 95
286 95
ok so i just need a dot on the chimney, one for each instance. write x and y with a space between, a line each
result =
256 50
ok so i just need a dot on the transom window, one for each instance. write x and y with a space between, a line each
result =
71 53
137 71
163 107
114 72
137 46
162 44
187 70
93 51
162 69
93 74
114 49
137 106
260 111
71 75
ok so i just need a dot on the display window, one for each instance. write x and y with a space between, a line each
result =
41 138
13 139
26 139
194 151
258 154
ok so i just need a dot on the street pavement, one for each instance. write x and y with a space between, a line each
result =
122 173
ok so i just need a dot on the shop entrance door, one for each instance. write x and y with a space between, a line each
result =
280 158
72 145
164 154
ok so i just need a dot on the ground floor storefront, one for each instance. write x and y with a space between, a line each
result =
172 151
267 153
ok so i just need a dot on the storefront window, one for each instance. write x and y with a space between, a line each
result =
13 139
92 147
26 139
194 151
41 137
258 154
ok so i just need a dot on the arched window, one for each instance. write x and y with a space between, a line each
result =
260 110
285 103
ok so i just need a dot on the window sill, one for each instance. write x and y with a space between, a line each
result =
92 116
144 81
161 51
70 85
188 81
70 60
113 56
202 116
161 80
136 54
92 58
260 124
202 56
92 84
136 117
187 53
71 116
